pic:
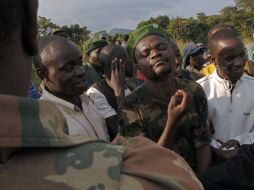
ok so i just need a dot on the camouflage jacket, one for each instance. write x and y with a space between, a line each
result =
142 113
46 158
194 73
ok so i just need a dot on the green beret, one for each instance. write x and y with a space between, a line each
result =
92 44
139 34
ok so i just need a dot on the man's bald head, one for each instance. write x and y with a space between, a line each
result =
217 28
111 52
50 47
222 35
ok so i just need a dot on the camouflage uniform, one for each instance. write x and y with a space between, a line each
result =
49 159
194 73
142 113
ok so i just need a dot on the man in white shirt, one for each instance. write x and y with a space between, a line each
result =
62 72
229 92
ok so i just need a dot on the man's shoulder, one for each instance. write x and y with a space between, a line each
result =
205 80
189 86
248 78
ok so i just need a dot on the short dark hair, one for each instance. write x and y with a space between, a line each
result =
10 14
223 34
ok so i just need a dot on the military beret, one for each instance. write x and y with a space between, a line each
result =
139 34
92 44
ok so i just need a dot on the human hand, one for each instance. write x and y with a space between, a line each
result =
225 154
117 79
177 105
229 145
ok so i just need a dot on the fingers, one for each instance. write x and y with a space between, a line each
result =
172 102
183 96
117 66
220 141
230 144
113 66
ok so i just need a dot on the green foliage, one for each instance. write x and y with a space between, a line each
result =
240 17
76 33
247 5
45 26
162 21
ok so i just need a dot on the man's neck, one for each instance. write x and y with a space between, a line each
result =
225 77
164 88
70 98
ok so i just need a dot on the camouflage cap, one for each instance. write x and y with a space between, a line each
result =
136 36
93 43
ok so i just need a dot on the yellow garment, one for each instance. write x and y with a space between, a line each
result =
209 68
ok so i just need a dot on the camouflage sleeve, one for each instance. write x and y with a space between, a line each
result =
130 117
202 132
138 171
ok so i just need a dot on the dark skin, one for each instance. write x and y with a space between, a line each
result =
156 59
16 83
229 56
17 56
63 74
179 58
116 67
197 60
93 58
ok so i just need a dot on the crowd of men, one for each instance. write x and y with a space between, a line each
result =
185 124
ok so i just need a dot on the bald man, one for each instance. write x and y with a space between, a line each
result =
64 83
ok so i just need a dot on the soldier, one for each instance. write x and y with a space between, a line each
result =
144 111
94 71
47 158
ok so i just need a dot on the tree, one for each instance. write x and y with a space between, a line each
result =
45 26
76 33
201 17
247 5
229 10
162 21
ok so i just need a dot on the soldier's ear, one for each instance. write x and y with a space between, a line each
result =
29 26
42 72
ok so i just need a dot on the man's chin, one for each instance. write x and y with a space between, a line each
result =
79 91
158 76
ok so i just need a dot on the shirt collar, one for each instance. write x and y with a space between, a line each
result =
46 95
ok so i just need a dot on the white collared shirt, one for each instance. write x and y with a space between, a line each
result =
232 114
86 122
101 102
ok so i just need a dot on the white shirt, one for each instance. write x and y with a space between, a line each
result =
86 122
232 114
101 102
